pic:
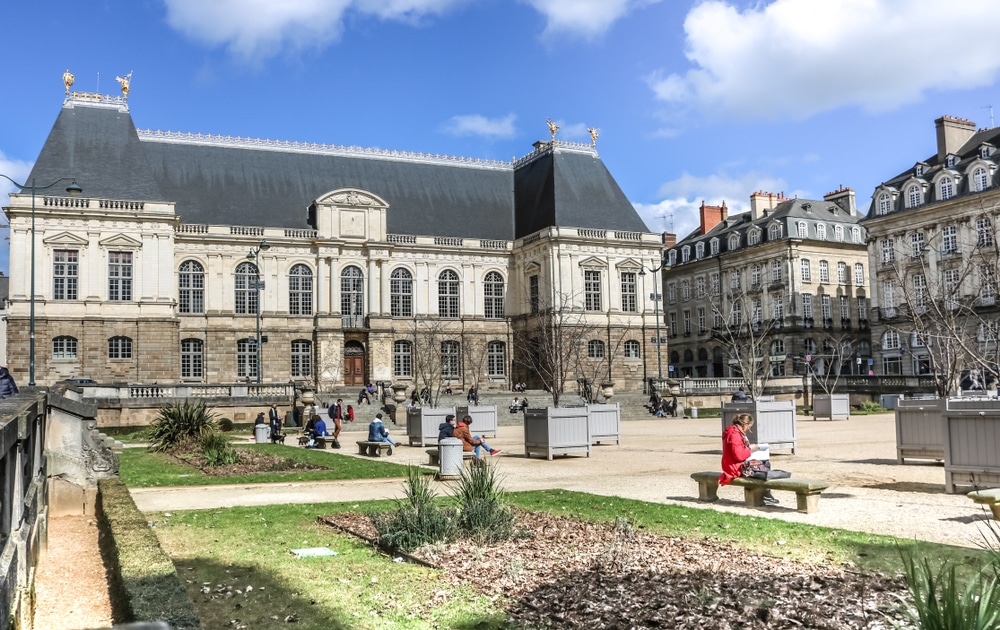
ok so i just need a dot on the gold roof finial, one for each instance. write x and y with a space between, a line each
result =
68 80
126 82
594 132
553 128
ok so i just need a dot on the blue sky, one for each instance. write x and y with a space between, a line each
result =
703 100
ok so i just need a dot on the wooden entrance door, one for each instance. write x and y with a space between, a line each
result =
354 364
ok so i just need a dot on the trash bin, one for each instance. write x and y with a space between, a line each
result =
260 432
450 458
694 412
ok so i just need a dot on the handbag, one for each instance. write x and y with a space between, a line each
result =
757 468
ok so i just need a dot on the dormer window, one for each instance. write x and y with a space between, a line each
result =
980 179
753 237
699 251
774 232
672 257
984 151
685 253
951 161
821 231
713 246
802 228
838 232
918 170
734 242
913 196
884 204
946 188
855 235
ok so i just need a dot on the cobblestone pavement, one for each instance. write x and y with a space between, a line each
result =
868 490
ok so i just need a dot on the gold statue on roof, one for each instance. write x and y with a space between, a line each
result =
68 80
594 132
553 128
126 82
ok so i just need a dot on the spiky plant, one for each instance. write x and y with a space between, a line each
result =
189 420
939 601
484 514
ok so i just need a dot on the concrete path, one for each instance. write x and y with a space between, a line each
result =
869 490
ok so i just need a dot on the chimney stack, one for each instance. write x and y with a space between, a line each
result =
669 240
844 198
952 133
761 201
711 216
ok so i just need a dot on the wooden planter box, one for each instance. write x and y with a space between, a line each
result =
551 431
774 421
971 444
422 424
919 429
831 407
605 423
484 418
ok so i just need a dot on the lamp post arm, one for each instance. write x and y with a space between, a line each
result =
33 188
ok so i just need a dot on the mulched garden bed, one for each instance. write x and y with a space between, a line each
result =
251 462
568 573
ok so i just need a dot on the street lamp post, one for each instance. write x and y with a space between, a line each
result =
74 190
254 254
657 295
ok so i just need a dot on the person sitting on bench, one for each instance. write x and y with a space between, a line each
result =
447 428
472 442
736 449
319 429
378 433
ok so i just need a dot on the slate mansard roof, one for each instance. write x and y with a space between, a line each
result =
228 181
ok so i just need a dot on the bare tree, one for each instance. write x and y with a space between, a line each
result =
743 328
611 348
435 357
827 364
475 351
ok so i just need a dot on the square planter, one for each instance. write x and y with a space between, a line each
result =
484 418
774 421
605 423
831 407
919 429
971 444
422 424
551 431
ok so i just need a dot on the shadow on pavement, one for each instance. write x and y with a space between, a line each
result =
908 486
891 462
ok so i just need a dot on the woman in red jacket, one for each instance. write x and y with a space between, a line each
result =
736 449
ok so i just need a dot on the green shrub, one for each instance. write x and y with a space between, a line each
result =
418 520
180 422
484 514
870 406
144 584
217 450
226 425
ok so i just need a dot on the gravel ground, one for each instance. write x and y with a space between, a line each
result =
869 490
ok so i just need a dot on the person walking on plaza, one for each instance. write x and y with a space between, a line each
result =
378 433
472 442
274 421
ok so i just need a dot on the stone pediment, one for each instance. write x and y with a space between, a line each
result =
532 268
594 262
120 241
629 264
353 197
65 239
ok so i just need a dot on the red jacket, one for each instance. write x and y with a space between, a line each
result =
735 451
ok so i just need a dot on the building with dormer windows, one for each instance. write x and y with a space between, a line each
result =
152 275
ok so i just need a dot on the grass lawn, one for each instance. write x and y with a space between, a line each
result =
142 469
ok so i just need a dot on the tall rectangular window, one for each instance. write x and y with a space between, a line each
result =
842 273
806 270
916 244
824 271
246 358
401 293
687 322
825 301
859 274
630 302
887 251
493 296
949 239
191 287
592 290
713 280
776 275
701 319
301 358
778 306
402 358
120 276
862 308
65 267
984 232
807 305
449 359
448 294
192 358
496 359
699 287
533 294
845 307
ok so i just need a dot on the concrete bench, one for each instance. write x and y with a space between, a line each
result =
806 491
989 497
434 457
373 449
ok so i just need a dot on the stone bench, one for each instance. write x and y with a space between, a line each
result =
806 491
989 497
373 449
434 457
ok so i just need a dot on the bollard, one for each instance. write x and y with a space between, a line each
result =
450 458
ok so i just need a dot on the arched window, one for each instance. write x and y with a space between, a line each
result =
686 253
247 295
806 270
448 294
401 292
302 358
675 357
884 204
192 358
688 356
946 188
864 349
632 349
980 179
859 274
890 340
699 250
803 229
702 354
855 235
734 241
838 232
191 287
913 196
824 271
672 257
352 297
821 231
753 236
496 359
713 246
774 232
402 358
119 348
300 290
809 345
595 349
493 296
449 359
246 358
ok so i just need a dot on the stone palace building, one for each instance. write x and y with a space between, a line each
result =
151 274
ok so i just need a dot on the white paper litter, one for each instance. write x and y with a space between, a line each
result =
312 552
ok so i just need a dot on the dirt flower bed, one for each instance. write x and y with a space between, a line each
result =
567 573
251 462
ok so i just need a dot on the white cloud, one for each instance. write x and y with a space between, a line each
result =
16 170
795 58
256 29
479 125
587 18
